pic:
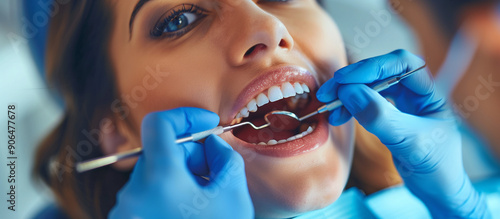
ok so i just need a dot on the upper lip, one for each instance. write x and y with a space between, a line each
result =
272 77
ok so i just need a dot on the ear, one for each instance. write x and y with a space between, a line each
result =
116 137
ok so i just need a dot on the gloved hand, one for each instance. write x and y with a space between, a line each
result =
166 182
419 130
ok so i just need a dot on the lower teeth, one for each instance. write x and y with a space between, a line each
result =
309 130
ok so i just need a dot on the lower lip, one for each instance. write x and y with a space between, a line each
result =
300 146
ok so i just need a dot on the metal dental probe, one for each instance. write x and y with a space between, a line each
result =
379 87
104 161
282 115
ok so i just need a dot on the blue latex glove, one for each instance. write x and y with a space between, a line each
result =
166 182
419 130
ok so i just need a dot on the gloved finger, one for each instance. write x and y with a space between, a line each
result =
423 95
421 82
373 112
129 192
328 91
138 173
195 157
160 131
189 119
339 116
421 105
415 94
227 169
379 68
413 100
201 180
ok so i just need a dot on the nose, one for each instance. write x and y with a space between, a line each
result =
254 35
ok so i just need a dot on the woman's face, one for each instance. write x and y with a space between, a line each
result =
231 57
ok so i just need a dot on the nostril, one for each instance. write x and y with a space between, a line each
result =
283 43
250 51
255 49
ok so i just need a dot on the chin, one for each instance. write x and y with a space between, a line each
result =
284 187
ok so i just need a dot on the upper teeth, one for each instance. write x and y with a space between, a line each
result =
274 94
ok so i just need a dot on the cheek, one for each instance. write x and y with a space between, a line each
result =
318 38
170 82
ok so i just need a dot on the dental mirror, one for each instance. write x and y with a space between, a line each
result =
282 120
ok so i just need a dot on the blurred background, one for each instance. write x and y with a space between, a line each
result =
36 112
369 28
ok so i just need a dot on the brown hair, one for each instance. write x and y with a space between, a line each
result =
79 67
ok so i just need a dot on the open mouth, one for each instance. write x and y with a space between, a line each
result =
295 97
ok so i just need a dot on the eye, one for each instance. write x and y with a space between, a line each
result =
181 21
178 21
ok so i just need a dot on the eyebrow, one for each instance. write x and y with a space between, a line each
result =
137 7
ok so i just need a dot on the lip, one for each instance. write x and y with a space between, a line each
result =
275 77
272 77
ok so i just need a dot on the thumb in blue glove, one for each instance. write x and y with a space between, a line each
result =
167 180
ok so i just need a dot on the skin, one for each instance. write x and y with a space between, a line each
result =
207 68
480 23
372 168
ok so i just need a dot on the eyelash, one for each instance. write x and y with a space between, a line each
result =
159 29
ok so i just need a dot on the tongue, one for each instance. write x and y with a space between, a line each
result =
248 134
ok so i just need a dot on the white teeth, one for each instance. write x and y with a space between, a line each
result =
262 100
252 106
272 142
244 112
293 138
274 94
298 88
287 90
305 88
